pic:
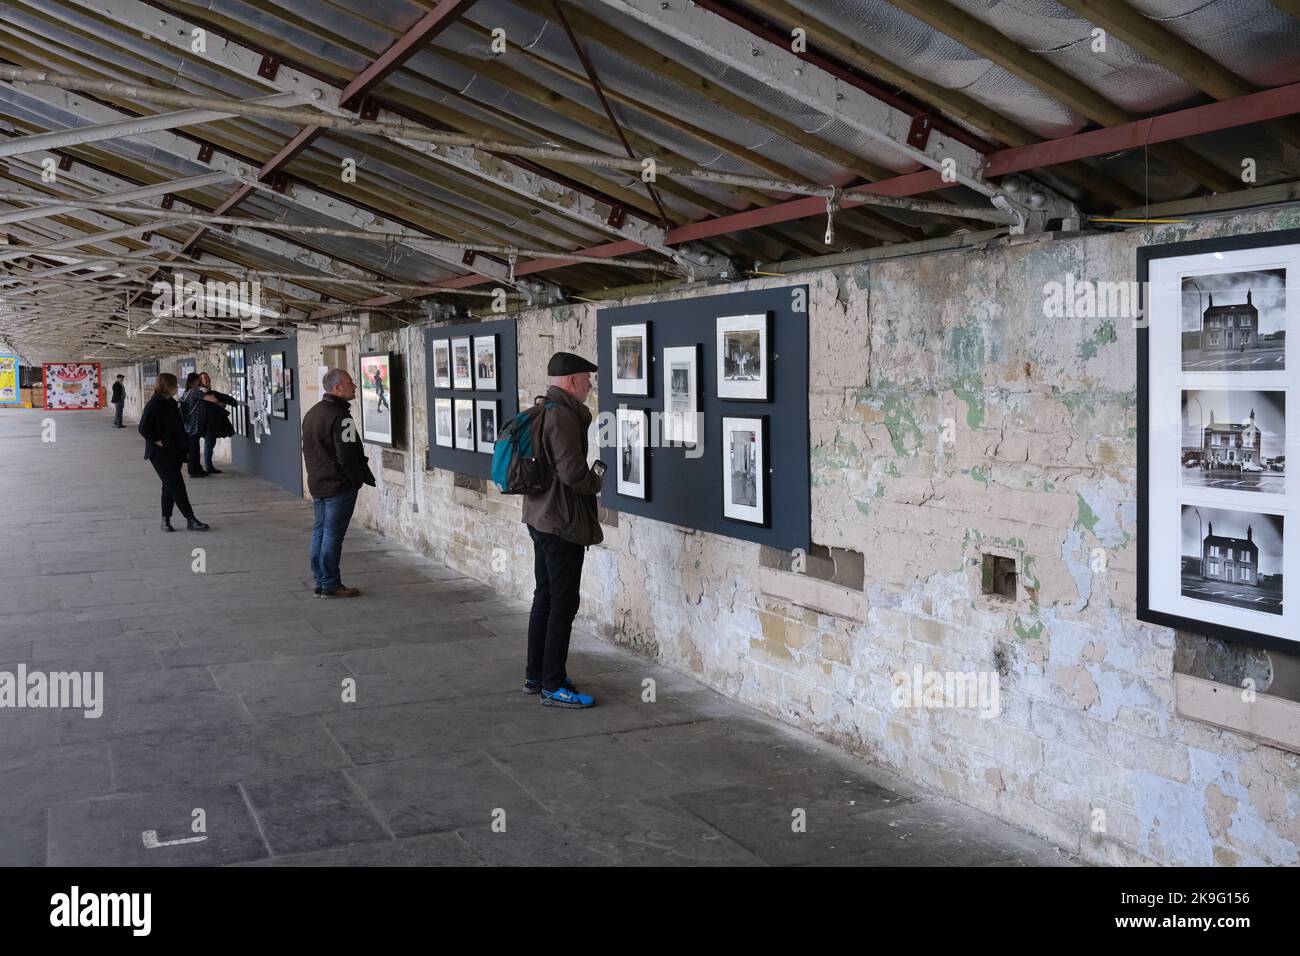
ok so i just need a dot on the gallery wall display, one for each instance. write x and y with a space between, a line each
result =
723 446
71 386
149 377
268 425
1218 543
9 379
378 393
471 390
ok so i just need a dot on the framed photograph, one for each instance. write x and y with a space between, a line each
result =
630 453
288 383
376 386
485 362
485 413
462 363
744 359
465 423
441 363
443 426
631 353
682 420
1217 551
279 402
745 469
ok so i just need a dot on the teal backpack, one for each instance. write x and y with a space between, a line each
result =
517 467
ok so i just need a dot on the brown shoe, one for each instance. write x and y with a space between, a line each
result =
340 592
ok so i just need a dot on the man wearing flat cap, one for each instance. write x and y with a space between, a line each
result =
562 523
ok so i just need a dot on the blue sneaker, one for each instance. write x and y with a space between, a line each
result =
535 686
566 698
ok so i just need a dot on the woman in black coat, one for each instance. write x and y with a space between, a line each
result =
166 446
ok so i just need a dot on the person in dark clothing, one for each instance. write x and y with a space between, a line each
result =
165 446
337 468
194 412
119 401
562 523
216 421
378 381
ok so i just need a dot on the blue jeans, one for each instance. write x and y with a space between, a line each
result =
208 444
332 517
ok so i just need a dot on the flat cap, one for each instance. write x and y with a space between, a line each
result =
566 363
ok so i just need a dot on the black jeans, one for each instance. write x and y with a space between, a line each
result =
195 458
557 565
168 466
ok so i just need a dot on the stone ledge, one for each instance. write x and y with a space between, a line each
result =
821 596
1270 720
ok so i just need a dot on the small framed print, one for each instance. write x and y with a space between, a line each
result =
630 453
630 349
485 411
441 363
485 362
465 423
744 359
279 403
682 418
443 425
288 383
745 469
462 364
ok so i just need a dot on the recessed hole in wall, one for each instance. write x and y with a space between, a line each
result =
998 576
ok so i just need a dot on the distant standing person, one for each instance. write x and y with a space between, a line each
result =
119 401
336 470
216 422
165 447
562 523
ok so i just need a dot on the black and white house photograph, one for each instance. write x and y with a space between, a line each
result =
465 423
1234 439
630 452
443 427
631 352
743 358
462 363
486 412
681 420
1232 557
441 363
1234 321
485 362
744 464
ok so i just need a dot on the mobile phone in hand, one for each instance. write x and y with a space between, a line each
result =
599 468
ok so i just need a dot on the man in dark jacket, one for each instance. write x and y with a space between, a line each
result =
119 401
336 469
562 522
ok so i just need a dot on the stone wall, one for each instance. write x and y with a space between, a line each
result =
949 420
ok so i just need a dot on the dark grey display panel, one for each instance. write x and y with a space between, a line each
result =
505 392
688 491
278 457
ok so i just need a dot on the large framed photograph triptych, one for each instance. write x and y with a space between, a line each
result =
1218 372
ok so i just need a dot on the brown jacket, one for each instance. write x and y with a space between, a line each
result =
568 507
335 464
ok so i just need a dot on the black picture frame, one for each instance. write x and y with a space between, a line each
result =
643 416
647 359
769 356
698 409
491 385
369 434
764 470
1146 256
280 399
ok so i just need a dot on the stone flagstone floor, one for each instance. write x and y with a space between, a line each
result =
223 694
